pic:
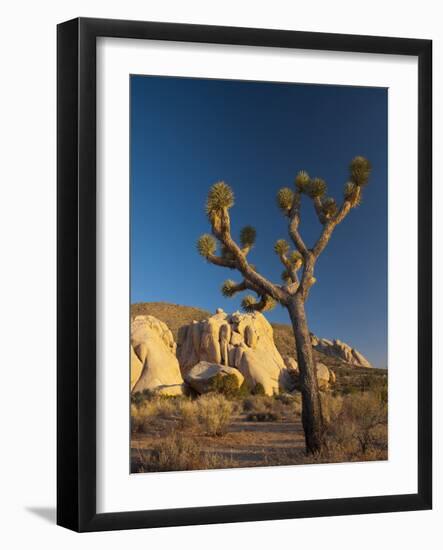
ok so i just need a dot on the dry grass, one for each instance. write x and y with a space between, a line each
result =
146 412
210 414
214 414
177 452
263 408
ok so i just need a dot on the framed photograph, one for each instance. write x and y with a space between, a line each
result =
244 274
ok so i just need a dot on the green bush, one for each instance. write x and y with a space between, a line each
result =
225 384
258 389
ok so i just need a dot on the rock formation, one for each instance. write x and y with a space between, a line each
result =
154 365
200 376
325 376
243 341
340 350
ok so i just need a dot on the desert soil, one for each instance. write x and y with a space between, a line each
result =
246 444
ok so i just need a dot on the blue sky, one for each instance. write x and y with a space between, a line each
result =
189 133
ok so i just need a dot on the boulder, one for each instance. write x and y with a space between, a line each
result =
136 368
200 376
291 363
340 350
243 341
324 378
153 357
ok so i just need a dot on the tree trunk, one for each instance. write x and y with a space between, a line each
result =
312 416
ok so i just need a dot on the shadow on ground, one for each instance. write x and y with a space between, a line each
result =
46 513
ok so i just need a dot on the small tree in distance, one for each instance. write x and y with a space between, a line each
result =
294 291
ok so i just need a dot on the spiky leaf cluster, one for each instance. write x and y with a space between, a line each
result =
247 236
228 288
220 196
281 247
270 303
250 304
296 258
285 198
206 245
360 170
316 188
329 207
302 181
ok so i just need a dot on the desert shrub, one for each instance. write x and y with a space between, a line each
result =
214 413
228 386
225 384
145 412
291 403
140 397
188 414
369 412
264 408
258 389
243 390
258 403
172 453
265 416
141 415
356 424
177 452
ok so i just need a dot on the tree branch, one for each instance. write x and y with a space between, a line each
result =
222 262
329 228
222 232
294 220
319 210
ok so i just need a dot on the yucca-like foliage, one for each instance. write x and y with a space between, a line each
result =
228 288
247 236
250 304
360 170
206 245
285 198
270 303
296 258
302 181
316 188
220 196
281 247
329 207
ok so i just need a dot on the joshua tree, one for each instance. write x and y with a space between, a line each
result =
294 291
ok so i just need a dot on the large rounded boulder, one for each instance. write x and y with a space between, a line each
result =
202 375
154 365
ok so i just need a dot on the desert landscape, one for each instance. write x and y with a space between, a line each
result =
258 288
223 391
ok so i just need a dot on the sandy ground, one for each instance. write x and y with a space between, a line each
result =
246 444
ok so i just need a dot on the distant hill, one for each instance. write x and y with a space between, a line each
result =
174 315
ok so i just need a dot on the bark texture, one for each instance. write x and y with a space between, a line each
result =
312 416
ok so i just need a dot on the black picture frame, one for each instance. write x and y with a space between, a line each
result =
76 265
